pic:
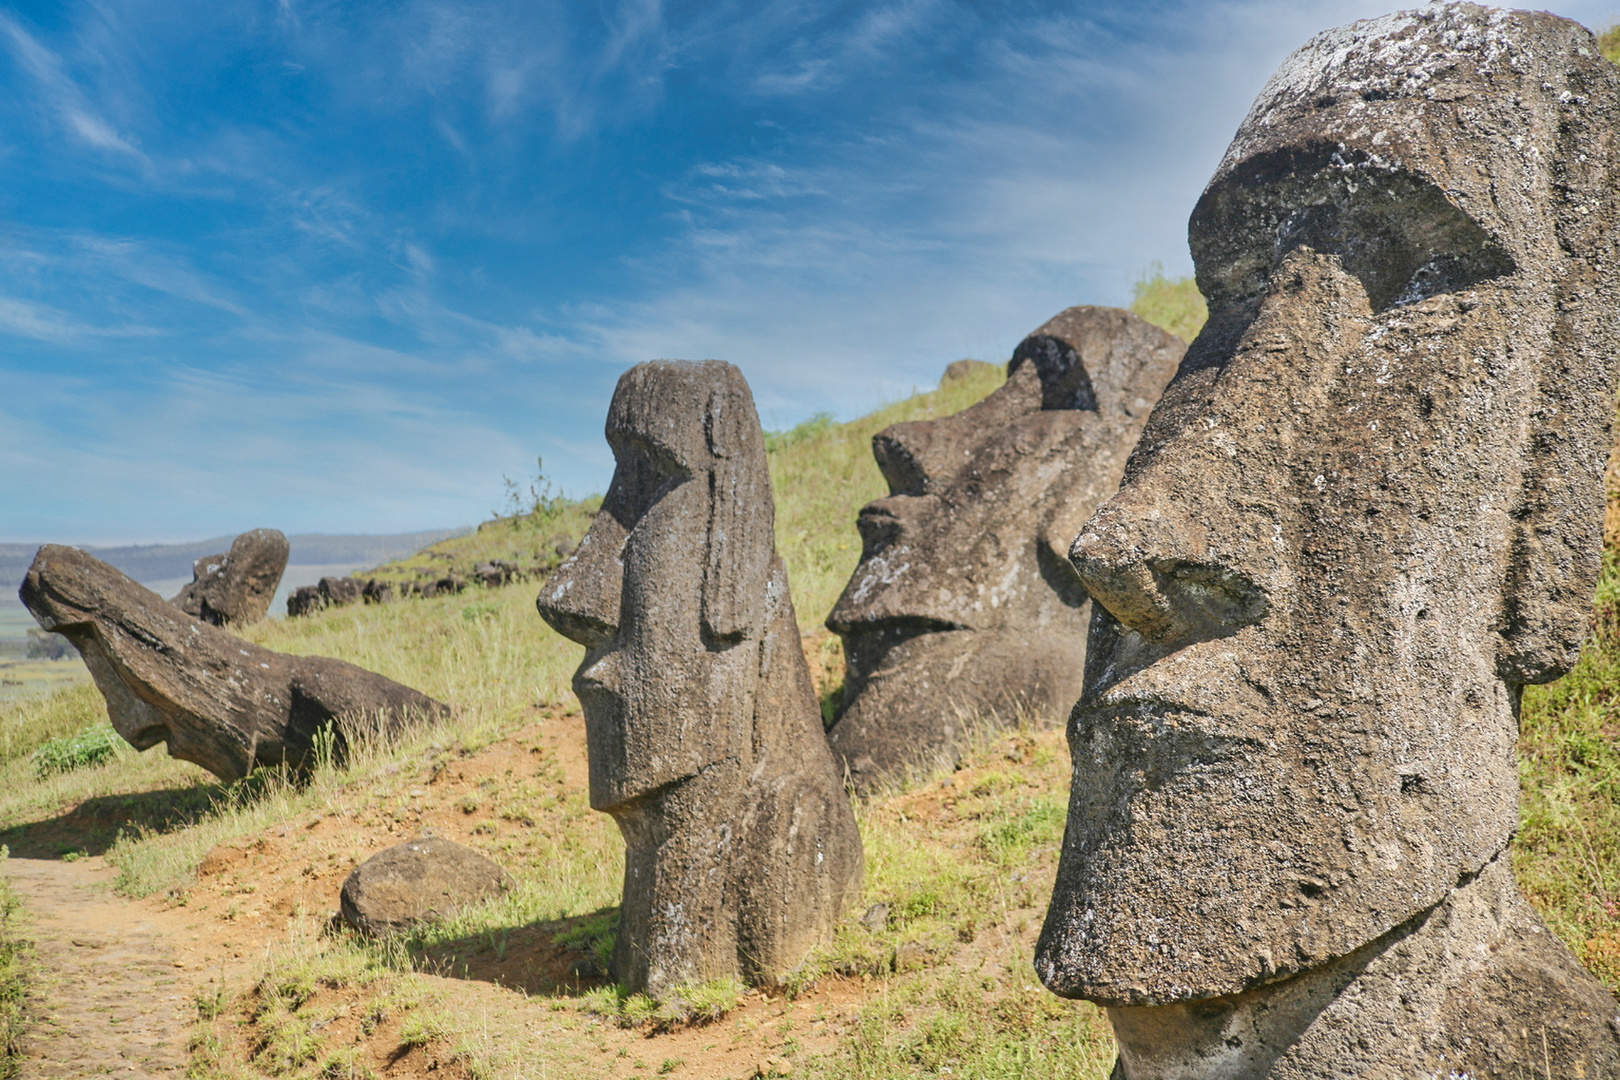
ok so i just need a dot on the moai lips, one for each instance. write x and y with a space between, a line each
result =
214 699
964 608
1364 515
702 725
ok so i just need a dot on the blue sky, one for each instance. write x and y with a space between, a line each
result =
339 266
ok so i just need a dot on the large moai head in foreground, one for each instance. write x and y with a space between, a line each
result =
964 606
1363 516
703 728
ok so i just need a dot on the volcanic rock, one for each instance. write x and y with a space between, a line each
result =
216 700
1364 515
419 881
236 588
304 600
964 611
703 727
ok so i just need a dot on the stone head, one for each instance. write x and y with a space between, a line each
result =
670 583
1365 513
964 599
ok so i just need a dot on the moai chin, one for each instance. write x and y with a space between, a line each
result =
703 728
964 607
1363 516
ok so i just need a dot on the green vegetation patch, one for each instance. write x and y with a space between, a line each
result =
95 745
1567 853
685 1005
1609 43
536 529
16 960
1172 304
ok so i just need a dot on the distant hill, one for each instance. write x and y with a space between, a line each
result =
152 563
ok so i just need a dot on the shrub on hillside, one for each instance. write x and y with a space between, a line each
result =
1609 42
92 746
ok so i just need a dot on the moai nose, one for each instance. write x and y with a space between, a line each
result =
1152 567
917 455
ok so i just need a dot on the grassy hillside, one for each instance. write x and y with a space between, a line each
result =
1172 304
929 975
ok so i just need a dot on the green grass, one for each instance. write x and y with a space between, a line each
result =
1172 304
1567 853
91 746
959 866
1609 43
536 529
16 958
26 724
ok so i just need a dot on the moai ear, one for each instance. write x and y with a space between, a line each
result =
741 538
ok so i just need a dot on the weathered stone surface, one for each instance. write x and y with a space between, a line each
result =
1363 516
236 588
497 572
703 728
217 700
304 600
419 881
964 608
338 591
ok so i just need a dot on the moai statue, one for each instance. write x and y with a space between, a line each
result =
702 725
235 589
964 608
1365 514
214 699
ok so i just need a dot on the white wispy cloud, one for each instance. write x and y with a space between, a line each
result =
62 95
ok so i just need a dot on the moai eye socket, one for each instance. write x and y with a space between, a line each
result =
1392 228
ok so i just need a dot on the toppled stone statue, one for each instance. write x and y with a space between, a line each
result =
328 592
702 725
421 880
1363 517
236 588
964 608
218 701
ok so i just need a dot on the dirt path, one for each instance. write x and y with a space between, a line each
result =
111 999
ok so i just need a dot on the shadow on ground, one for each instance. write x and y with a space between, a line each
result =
91 827
549 958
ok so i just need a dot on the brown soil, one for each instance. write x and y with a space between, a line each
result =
125 975
111 996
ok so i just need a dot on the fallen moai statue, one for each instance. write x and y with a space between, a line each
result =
702 725
218 701
1362 518
236 588
964 608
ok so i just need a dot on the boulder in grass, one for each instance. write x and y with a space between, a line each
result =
338 591
304 600
419 881
216 700
236 588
